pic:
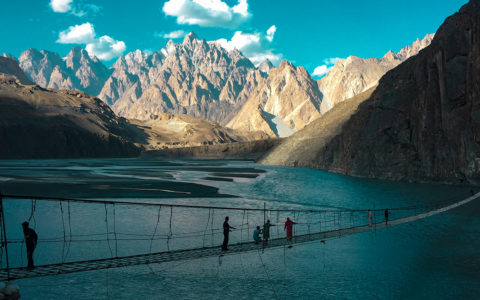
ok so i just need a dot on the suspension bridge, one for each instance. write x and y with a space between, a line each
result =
118 246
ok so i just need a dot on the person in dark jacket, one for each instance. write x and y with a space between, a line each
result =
226 231
387 214
31 240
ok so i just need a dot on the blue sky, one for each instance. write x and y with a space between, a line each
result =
308 33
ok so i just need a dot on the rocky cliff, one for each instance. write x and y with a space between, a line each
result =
423 120
353 75
284 103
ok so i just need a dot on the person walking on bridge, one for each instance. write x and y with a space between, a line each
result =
370 219
386 216
288 227
226 231
266 231
31 240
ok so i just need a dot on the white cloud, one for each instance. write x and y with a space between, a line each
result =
79 10
104 47
174 34
207 13
61 6
78 34
324 69
331 61
271 32
255 46
321 70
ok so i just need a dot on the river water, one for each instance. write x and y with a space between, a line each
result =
435 258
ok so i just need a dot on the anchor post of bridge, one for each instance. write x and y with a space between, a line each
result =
4 235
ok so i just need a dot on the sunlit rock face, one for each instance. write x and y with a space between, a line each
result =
284 103
354 75
195 77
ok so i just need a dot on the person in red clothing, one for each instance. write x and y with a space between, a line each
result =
288 227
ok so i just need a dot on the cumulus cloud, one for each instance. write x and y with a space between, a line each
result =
173 35
324 69
256 46
321 70
104 47
61 6
79 9
78 34
207 13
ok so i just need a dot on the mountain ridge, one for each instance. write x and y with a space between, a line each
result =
421 122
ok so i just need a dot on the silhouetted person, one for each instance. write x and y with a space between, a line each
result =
31 240
288 227
472 192
226 231
370 219
256 235
386 215
266 231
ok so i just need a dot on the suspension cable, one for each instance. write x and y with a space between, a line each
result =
108 236
156 226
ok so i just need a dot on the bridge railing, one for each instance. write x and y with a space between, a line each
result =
76 229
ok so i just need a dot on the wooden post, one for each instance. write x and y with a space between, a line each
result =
264 212
4 233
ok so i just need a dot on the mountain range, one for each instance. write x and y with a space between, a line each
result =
202 79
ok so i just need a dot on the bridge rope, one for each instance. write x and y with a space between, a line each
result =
331 223
64 234
106 225
156 226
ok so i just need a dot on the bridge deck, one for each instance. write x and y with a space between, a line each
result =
159 257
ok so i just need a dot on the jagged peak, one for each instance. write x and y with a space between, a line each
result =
137 56
30 50
76 49
409 50
190 37
286 64
265 66
9 56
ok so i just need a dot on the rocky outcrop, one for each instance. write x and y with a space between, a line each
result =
78 70
353 75
423 120
8 65
195 77
284 103
47 123
178 131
